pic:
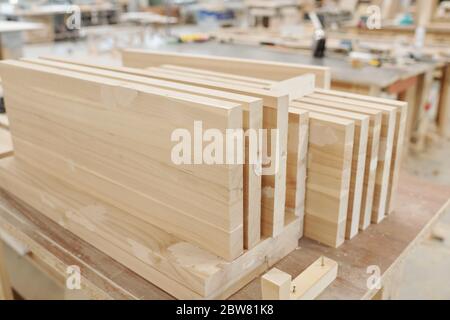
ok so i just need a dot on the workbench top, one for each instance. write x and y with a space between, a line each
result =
385 245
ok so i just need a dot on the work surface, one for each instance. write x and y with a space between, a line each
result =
341 70
384 245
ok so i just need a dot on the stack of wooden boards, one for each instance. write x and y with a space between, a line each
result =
92 150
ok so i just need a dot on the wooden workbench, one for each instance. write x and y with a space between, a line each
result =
385 245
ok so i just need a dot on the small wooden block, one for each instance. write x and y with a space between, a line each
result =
276 285
316 278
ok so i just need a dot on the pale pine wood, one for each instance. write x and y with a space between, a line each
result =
372 151
275 71
358 163
6 147
228 235
399 140
5 286
328 178
387 135
298 136
252 119
276 285
275 116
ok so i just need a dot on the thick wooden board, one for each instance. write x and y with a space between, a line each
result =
328 178
361 137
252 119
275 116
298 136
372 152
399 138
275 71
294 87
387 136
6 147
180 268
264 83
105 109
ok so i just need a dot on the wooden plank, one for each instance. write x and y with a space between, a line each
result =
275 71
328 178
263 82
275 116
298 136
6 147
156 255
387 136
252 119
358 162
94 95
402 115
372 151
5 286
294 87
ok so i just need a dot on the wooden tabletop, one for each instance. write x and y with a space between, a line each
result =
419 206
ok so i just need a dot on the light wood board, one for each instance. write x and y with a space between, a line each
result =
361 136
110 108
